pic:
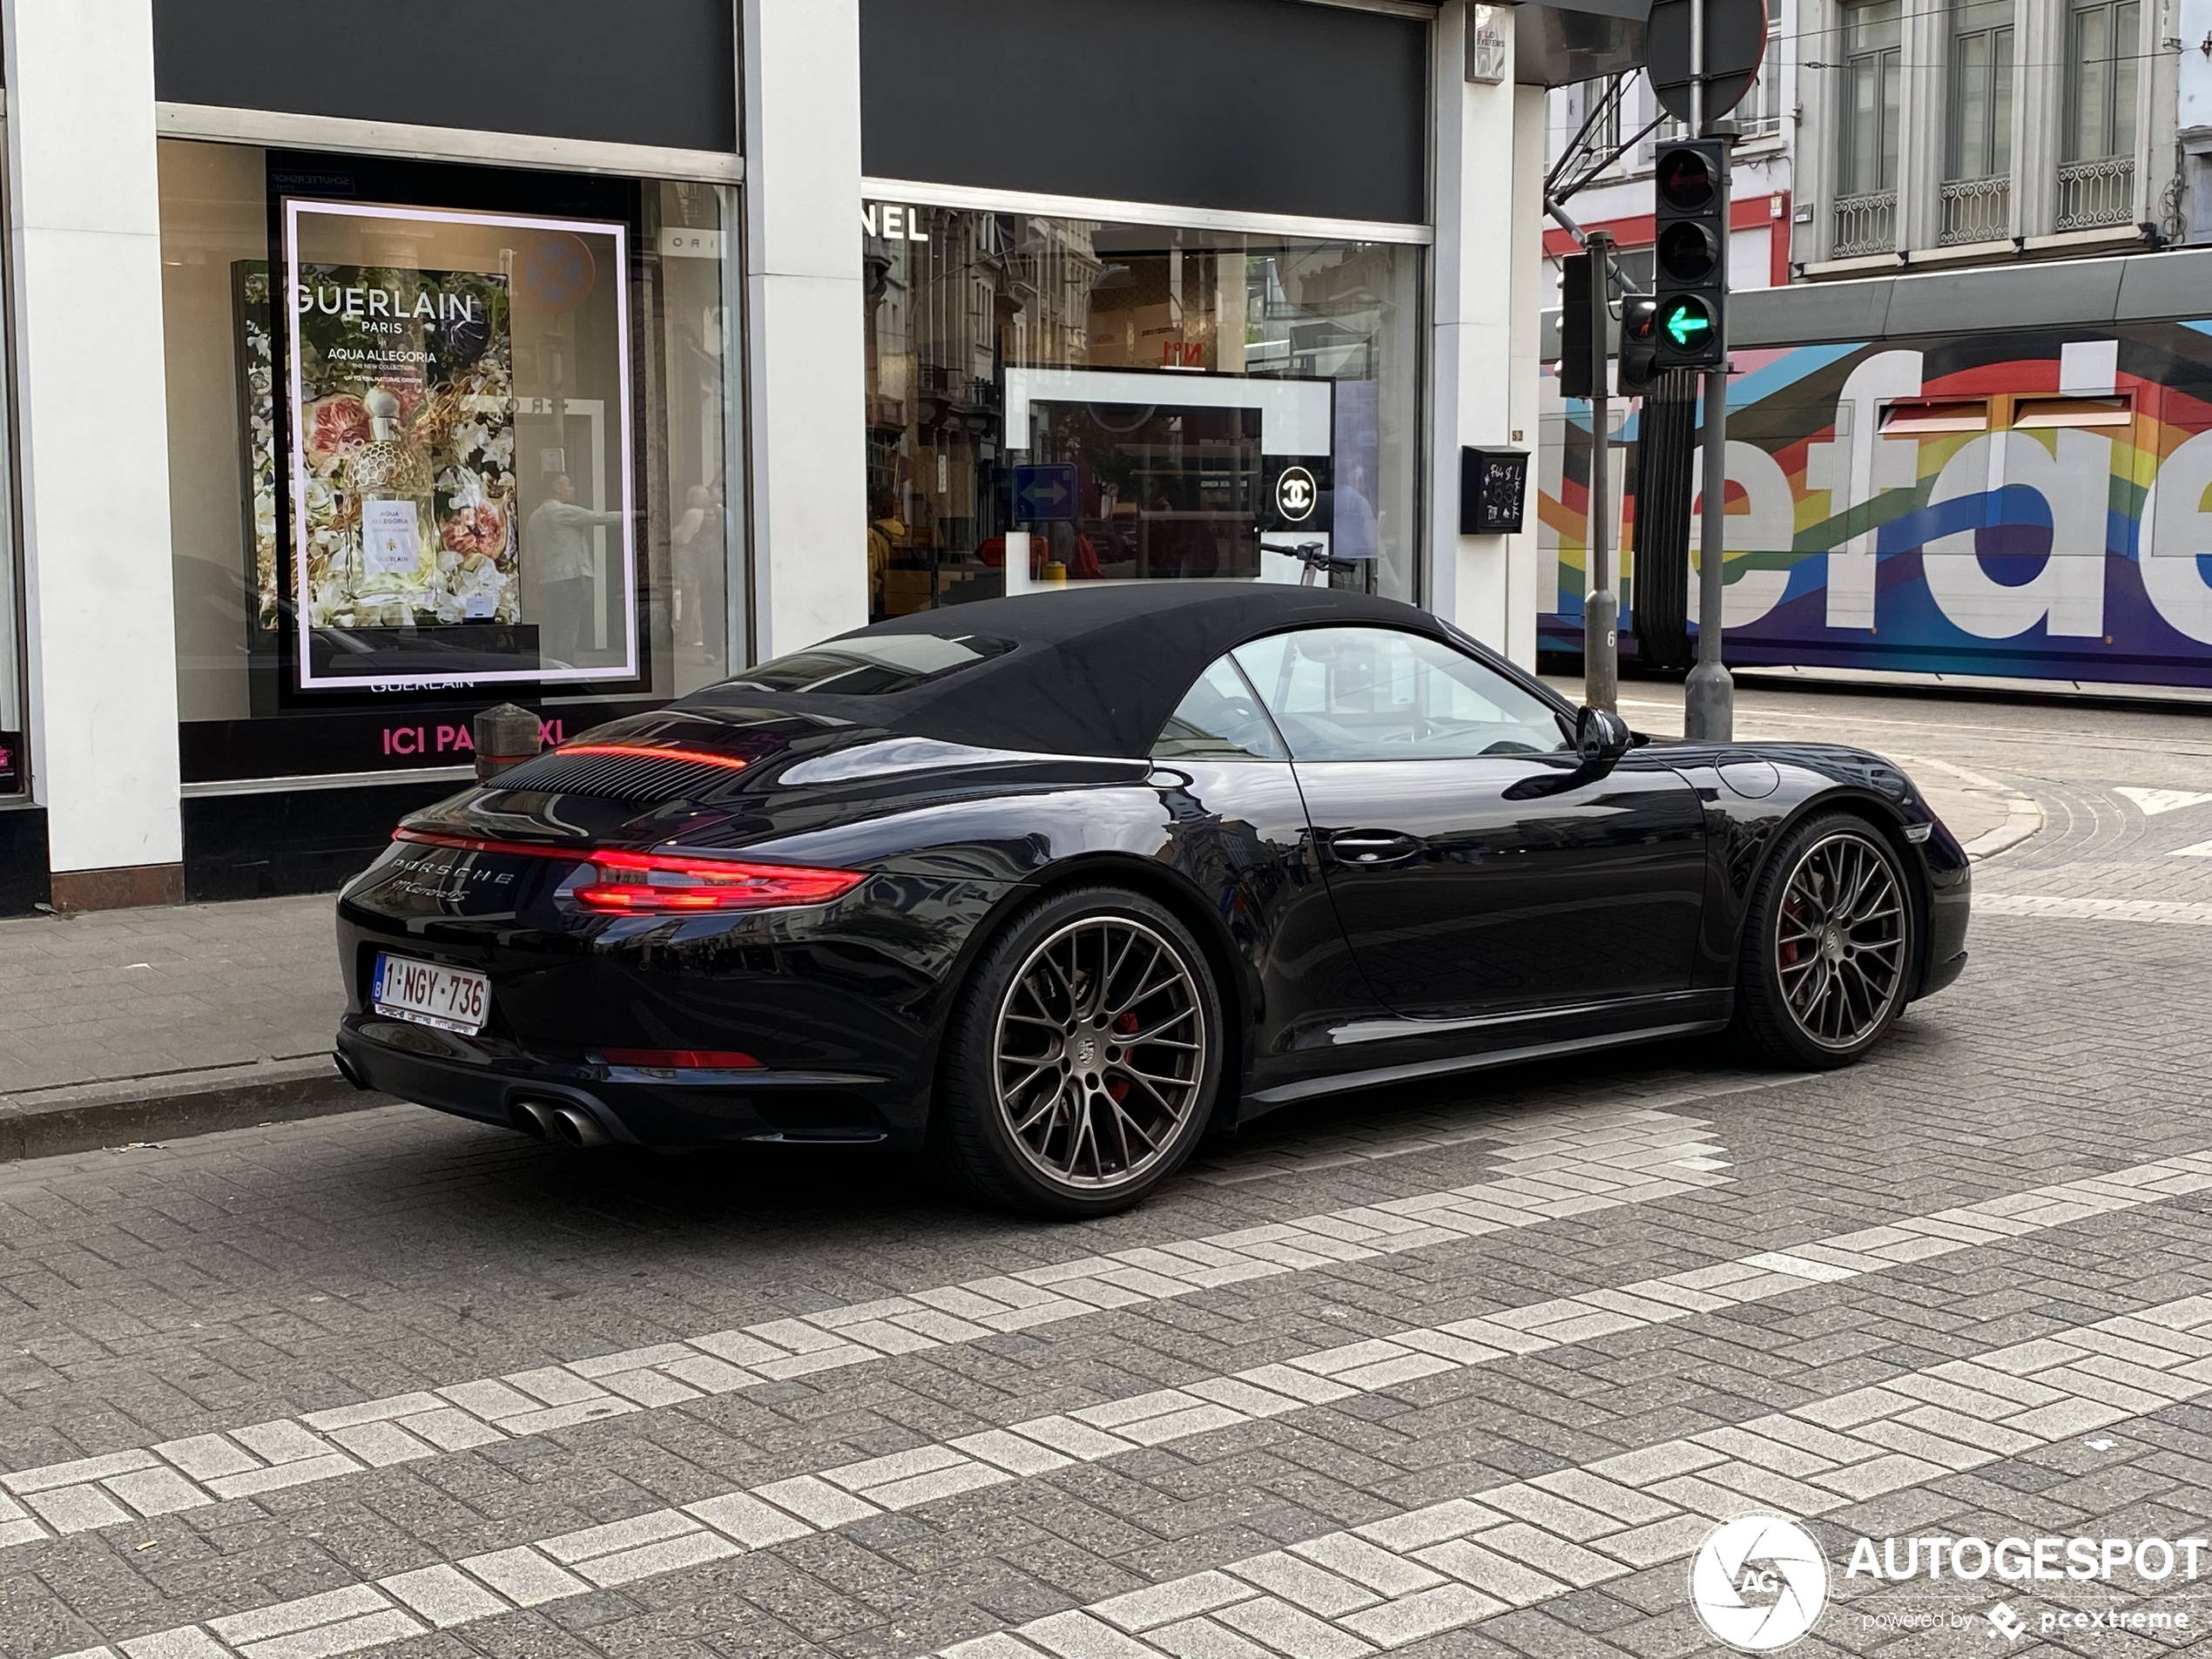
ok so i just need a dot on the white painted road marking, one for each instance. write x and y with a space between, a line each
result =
1858 1444
1452 1564
2180 911
1556 1165
2151 802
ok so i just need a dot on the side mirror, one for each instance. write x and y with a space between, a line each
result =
1599 737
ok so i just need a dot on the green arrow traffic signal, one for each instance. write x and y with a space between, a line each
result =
1687 323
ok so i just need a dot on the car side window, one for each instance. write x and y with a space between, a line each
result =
1382 694
1220 719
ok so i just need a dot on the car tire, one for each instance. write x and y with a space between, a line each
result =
1829 944
1083 1057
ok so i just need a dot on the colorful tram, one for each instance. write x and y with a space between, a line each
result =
1983 475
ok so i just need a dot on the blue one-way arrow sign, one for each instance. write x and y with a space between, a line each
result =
1045 491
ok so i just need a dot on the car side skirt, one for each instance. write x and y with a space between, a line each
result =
1644 1020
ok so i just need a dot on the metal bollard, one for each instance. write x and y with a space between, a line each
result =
505 735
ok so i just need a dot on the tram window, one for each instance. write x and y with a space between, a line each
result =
1906 419
2072 411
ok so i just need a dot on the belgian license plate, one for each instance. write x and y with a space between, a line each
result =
452 998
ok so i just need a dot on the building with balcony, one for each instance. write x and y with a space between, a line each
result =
1986 129
1885 135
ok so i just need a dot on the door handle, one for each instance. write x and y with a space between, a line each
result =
1359 847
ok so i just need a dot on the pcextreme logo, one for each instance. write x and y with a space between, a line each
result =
1758 1582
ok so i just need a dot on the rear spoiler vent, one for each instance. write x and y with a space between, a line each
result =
623 773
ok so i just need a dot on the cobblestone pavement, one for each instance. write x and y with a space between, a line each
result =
1465 1372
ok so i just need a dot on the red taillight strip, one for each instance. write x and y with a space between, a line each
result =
701 883
645 752
704 883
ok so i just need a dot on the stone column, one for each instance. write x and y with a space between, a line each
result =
804 322
1481 198
85 229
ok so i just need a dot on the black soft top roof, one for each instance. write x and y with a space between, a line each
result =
1093 671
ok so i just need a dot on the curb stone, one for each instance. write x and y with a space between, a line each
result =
2023 815
85 1117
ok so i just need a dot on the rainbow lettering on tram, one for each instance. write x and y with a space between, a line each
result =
2028 503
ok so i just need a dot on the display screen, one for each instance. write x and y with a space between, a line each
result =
445 527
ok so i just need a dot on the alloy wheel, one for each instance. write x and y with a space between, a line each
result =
1840 939
1099 1054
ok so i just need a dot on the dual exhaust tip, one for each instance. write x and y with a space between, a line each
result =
541 1120
553 1120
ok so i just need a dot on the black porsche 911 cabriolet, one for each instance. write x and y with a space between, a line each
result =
1052 883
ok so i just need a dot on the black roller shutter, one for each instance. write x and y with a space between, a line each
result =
641 71
1264 105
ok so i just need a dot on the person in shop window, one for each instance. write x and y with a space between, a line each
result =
886 532
1357 535
698 541
560 545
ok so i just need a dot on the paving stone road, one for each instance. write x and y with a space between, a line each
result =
1468 1370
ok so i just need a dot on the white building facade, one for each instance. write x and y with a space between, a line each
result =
342 407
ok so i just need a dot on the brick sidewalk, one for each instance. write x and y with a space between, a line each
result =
178 992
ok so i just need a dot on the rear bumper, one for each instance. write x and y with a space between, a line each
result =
489 1082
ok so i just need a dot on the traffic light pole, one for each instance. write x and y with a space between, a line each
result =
1600 606
1709 695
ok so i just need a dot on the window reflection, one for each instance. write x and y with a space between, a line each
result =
1053 400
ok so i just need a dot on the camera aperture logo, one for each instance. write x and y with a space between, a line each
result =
1758 1582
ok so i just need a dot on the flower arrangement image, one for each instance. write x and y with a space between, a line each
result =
404 449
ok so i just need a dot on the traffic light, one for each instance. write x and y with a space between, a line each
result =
1577 370
1690 258
1639 341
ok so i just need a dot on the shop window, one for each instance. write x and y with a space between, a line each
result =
1057 401
14 758
439 437
15 746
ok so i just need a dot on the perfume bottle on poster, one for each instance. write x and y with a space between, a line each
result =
391 479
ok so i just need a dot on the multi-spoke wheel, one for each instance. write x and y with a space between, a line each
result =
1827 956
1082 1059
1100 1050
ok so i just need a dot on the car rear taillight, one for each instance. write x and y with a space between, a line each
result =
664 883
659 884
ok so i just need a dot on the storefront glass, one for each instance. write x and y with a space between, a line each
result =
439 437
15 754
15 758
1054 400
